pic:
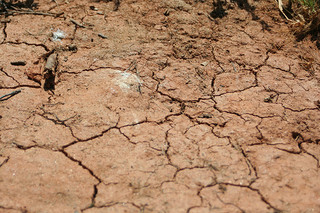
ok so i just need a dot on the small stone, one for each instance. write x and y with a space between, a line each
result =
204 63
93 8
157 27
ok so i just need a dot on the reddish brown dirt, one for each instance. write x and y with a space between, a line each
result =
170 113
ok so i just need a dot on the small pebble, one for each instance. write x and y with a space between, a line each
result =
204 63
93 8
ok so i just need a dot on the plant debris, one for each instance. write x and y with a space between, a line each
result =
16 4
9 95
18 63
305 17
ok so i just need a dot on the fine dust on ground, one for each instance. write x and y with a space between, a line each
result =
159 107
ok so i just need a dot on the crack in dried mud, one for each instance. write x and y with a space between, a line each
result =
29 44
4 33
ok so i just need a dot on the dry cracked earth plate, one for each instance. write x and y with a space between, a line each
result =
159 108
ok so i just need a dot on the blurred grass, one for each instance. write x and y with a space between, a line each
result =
311 5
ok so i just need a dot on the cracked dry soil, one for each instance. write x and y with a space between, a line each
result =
159 108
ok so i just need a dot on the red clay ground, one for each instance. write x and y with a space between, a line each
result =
173 112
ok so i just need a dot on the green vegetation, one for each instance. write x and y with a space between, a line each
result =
311 5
